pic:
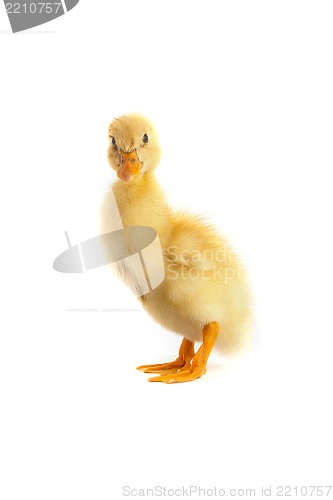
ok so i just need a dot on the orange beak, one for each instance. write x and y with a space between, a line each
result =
129 166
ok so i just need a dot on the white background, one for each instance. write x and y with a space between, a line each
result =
241 93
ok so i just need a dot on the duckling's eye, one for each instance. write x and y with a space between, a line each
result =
113 140
145 138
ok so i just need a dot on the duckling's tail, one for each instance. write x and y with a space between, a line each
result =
235 339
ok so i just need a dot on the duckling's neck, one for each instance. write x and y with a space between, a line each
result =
142 203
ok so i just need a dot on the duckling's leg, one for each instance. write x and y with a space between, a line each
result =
198 366
186 353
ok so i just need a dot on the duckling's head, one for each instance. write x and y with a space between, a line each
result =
134 148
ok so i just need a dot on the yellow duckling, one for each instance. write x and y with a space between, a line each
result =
204 296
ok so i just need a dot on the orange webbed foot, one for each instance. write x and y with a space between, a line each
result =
194 365
186 353
184 375
162 367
